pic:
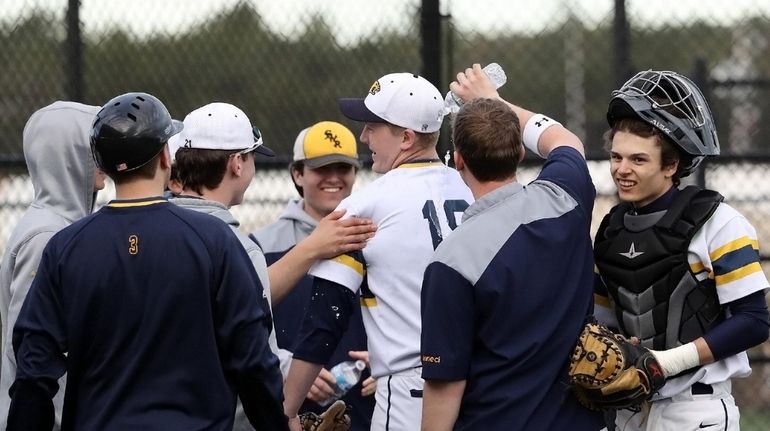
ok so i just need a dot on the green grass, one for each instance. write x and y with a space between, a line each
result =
755 420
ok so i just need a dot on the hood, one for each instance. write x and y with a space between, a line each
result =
295 213
57 150
216 209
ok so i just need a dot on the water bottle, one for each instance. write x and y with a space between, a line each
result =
346 375
495 73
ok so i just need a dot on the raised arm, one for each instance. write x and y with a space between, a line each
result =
541 133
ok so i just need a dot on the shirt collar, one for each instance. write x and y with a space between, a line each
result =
661 203
491 199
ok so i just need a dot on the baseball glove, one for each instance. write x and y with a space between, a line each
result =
333 419
607 372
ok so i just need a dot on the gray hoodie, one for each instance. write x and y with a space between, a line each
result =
292 226
58 155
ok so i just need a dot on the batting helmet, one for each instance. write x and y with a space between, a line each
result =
129 131
672 104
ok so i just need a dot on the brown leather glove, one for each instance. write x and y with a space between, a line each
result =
608 372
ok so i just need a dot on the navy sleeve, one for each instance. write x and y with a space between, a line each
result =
39 344
39 339
325 322
567 168
745 328
242 327
447 323
31 408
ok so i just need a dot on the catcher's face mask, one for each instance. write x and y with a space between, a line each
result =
672 104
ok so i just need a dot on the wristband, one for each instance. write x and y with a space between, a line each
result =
678 359
536 125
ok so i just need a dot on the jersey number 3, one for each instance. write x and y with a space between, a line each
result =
133 244
450 208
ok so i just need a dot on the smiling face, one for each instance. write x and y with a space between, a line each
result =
637 168
385 142
324 187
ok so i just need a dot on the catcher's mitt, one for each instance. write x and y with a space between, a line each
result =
333 419
608 372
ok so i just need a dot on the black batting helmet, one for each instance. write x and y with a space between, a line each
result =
129 131
672 104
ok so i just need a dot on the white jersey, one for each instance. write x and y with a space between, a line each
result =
414 206
726 250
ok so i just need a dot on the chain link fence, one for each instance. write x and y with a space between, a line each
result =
285 64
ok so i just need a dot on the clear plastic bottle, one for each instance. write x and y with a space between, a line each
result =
346 375
496 75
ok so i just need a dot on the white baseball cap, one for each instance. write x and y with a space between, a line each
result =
402 99
173 144
221 126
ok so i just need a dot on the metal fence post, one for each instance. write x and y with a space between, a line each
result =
73 53
700 78
431 37
430 33
621 44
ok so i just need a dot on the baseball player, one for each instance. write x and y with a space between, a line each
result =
65 179
323 170
214 167
679 269
150 308
415 204
500 315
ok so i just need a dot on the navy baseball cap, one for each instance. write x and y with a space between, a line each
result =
356 110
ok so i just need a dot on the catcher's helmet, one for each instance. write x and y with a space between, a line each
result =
672 104
129 131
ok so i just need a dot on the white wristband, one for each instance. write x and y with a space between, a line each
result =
536 125
678 359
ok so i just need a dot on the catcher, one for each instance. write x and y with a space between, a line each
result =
679 269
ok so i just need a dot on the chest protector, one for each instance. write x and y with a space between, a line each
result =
642 260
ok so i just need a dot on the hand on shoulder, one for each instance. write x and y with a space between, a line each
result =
334 235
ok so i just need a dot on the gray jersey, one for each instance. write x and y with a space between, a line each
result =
58 156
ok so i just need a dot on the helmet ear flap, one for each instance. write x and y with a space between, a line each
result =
688 163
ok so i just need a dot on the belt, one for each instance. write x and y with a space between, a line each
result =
699 388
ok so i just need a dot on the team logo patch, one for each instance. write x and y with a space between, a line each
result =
542 122
332 138
632 252
375 88
431 359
